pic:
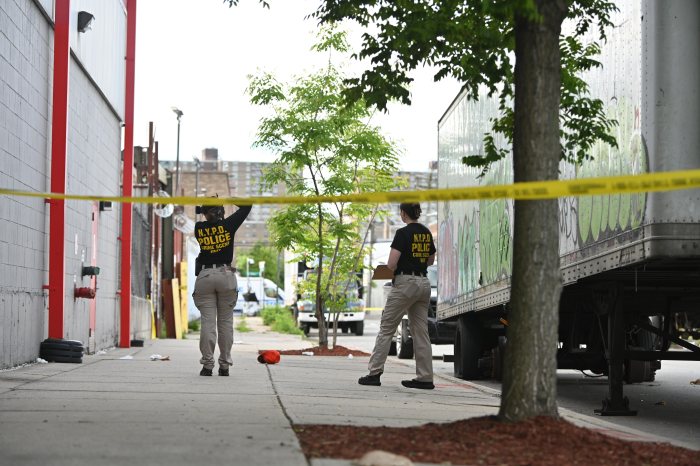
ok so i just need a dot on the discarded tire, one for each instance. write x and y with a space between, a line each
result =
60 347
67 360
49 354
58 350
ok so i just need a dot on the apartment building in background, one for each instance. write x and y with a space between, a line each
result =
202 177
414 181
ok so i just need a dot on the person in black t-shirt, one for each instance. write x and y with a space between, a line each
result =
215 290
412 251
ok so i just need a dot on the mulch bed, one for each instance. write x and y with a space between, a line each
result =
318 351
541 441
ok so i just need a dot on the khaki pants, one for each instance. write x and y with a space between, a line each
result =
215 295
410 294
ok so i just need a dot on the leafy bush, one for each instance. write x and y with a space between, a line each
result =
194 325
243 326
279 319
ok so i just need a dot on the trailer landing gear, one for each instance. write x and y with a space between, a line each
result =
616 404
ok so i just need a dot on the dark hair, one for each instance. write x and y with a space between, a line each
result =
412 210
204 209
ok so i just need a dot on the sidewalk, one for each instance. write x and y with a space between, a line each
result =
137 411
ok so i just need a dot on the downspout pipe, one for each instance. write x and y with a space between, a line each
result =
59 147
127 178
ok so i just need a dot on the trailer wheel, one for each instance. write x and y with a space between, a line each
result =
467 347
497 359
642 371
392 348
404 343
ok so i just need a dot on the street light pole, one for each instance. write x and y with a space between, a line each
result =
179 114
196 181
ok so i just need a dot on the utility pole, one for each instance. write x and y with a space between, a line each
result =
176 191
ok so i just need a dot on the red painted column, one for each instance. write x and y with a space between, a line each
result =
127 180
59 145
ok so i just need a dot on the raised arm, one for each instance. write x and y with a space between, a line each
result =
236 219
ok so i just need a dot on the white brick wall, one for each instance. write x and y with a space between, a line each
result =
94 141
24 110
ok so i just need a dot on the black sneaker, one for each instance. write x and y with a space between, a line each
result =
223 372
370 380
417 384
205 372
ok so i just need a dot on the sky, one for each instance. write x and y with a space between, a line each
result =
198 59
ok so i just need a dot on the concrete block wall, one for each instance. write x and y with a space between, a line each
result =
25 75
94 152
93 167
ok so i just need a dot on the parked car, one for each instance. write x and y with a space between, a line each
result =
441 332
352 319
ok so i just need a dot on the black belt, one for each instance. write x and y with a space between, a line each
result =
213 266
416 274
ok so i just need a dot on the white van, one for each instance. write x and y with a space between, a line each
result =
255 293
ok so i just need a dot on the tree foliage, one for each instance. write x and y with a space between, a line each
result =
323 147
474 42
270 255
512 51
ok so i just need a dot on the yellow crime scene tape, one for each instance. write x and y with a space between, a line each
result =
532 190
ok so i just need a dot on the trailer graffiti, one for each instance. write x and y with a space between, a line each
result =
468 252
495 250
448 282
601 217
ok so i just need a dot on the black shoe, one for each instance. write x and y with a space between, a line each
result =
205 372
223 372
370 380
417 384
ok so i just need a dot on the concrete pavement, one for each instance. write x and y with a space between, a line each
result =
117 411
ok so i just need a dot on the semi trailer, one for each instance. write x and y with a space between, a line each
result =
630 263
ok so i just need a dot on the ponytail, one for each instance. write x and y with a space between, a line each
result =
412 210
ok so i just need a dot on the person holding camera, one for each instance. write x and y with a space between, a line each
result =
412 251
215 290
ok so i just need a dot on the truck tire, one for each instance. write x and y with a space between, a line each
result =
467 348
404 343
392 349
360 328
642 371
497 354
306 329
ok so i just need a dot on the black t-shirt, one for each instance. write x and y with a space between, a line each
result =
216 238
415 242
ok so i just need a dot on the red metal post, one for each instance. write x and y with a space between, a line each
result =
127 178
59 144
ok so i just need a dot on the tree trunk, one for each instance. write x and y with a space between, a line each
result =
320 316
529 378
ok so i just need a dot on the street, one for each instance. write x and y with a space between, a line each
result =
668 407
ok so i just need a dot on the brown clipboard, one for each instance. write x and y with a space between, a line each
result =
382 272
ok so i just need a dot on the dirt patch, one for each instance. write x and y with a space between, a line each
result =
318 351
540 441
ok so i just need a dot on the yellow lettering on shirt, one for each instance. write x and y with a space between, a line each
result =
420 246
213 239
